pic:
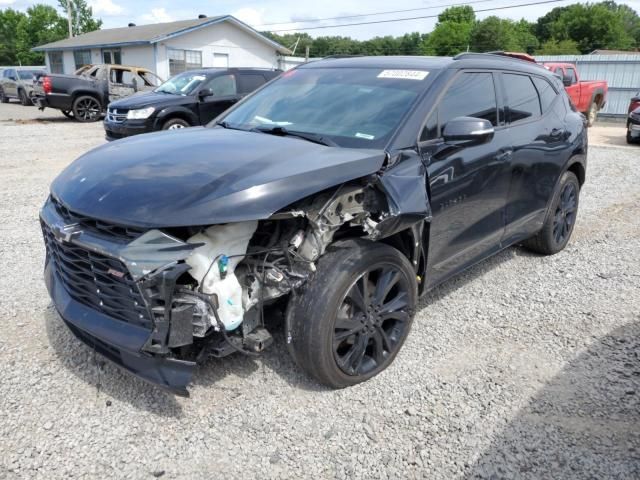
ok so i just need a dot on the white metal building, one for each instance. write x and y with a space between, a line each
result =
168 48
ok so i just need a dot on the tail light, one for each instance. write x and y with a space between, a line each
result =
46 85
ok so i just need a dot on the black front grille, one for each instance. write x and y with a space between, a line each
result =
108 230
117 115
100 282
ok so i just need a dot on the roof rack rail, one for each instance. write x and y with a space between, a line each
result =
525 57
342 56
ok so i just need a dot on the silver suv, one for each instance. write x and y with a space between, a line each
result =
18 83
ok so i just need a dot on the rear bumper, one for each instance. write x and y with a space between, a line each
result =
58 101
119 342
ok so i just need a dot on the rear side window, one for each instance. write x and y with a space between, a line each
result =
222 86
522 98
546 92
470 95
250 81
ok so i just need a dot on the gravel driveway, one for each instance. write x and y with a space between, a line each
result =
525 366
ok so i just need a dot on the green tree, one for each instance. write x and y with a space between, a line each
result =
9 20
591 26
41 25
452 33
82 20
558 47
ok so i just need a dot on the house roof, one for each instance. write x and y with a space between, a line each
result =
150 34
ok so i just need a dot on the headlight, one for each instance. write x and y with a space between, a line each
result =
635 116
140 114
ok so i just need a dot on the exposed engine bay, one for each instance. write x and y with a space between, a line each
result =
223 276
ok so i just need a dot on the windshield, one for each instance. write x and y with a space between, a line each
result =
353 107
26 74
183 84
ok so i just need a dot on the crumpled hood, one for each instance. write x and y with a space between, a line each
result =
203 176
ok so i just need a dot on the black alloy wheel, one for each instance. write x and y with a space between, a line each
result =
350 321
372 320
86 109
565 215
560 218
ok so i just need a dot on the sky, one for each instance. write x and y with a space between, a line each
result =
289 14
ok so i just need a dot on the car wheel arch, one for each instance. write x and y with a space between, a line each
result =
167 114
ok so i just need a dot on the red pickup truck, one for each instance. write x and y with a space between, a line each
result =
588 96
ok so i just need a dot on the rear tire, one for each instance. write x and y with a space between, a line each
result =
86 109
24 98
175 124
560 219
592 114
352 318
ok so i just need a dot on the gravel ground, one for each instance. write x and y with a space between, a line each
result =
525 366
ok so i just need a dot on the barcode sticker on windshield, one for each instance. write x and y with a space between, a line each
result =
404 74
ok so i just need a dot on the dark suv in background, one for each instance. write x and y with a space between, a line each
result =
188 99
339 193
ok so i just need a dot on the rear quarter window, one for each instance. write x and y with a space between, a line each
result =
251 81
546 92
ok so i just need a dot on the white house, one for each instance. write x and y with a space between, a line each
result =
168 48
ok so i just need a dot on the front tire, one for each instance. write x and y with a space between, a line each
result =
560 219
353 317
175 124
86 109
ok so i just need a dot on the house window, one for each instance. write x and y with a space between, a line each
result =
112 56
82 58
183 60
55 62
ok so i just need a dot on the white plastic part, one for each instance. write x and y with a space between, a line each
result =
231 239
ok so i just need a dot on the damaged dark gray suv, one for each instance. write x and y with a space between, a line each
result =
339 193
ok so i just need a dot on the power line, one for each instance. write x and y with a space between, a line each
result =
415 18
375 13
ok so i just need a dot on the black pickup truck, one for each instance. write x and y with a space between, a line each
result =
86 94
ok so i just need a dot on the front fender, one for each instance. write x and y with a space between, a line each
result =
176 111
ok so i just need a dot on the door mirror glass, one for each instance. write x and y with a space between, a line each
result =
468 129
205 92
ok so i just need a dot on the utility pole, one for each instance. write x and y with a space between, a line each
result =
69 21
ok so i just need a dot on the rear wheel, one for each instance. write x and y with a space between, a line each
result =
175 124
354 316
86 109
24 98
592 114
561 218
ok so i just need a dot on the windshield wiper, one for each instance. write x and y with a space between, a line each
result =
282 131
225 124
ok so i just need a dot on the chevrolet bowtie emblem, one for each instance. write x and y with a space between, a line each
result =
67 232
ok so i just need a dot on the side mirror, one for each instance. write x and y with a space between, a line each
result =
468 130
205 92
11 77
566 80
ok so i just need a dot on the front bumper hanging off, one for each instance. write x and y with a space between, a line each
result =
121 340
